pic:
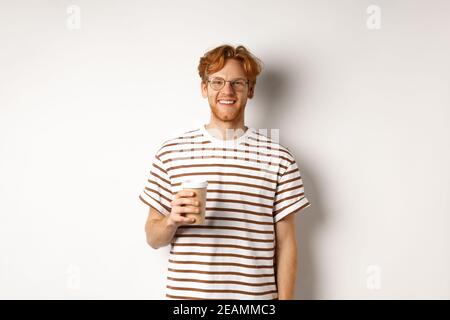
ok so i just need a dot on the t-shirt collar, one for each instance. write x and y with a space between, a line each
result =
229 142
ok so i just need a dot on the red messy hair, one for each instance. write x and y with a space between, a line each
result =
214 60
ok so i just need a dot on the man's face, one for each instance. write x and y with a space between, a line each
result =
217 98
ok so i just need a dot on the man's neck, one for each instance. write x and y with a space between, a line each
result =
226 131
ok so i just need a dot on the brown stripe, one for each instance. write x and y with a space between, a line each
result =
288 172
240 193
160 186
259 161
266 147
288 198
238 219
186 135
181 139
192 298
159 168
261 135
143 200
250 275
159 194
290 180
194 130
223 291
286 190
223 264
223 282
182 235
223 174
158 202
240 202
275 212
161 178
220 200
195 298
284 208
222 255
175 244
222 165
258 139
188 142
145 191
271 141
189 227
233 183
240 211
228 150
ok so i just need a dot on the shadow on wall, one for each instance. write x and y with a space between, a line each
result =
274 90
272 93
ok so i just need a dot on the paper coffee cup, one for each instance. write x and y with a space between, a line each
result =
199 187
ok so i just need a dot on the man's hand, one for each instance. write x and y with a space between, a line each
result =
184 202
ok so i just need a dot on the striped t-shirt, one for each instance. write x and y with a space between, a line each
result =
253 182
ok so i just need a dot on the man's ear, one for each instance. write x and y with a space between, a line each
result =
204 89
251 91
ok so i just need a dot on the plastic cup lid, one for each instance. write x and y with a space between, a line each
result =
194 184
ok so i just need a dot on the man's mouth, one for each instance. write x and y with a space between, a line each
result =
226 102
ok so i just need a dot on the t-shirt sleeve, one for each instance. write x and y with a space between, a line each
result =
290 193
157 192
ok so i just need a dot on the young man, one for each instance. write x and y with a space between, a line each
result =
247 247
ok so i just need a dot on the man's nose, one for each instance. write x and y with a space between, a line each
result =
228 88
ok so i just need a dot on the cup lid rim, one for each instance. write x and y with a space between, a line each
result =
194 184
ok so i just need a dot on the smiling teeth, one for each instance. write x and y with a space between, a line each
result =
226 102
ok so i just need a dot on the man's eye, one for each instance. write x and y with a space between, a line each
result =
216 82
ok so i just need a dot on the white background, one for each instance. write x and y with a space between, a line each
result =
365 111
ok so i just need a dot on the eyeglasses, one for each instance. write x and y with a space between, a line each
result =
237 84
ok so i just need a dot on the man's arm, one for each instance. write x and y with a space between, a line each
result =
286 257
158 229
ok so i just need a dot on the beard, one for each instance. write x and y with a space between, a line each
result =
227 113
